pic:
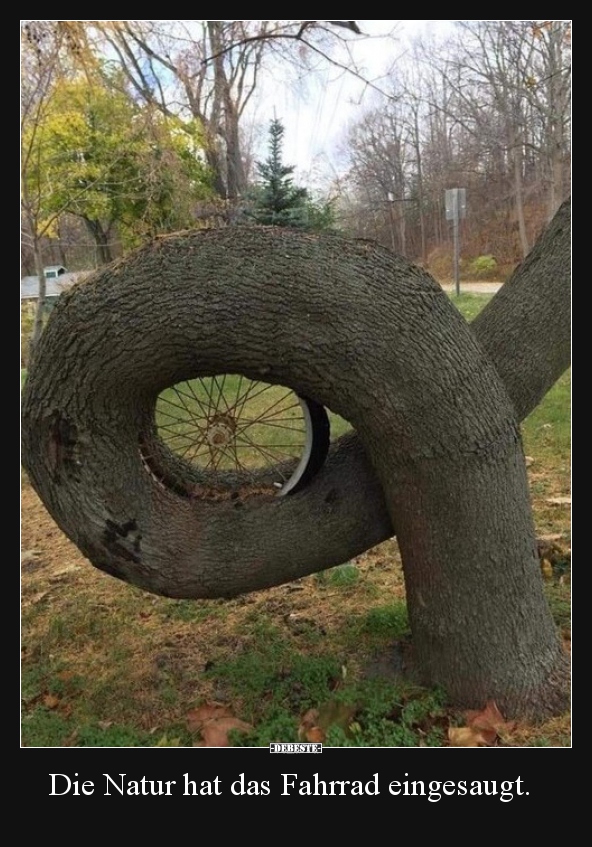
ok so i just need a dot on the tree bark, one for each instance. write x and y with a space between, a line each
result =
431 411
518 197
101 238
526 327
40 307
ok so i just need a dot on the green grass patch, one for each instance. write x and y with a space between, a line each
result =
469 305
547 430
391 714
386 621
43 727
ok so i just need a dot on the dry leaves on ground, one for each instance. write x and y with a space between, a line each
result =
315 723
484 728
214 721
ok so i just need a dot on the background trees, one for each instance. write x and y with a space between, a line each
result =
487 110
127 173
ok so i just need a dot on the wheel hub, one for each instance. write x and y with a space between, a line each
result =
221 429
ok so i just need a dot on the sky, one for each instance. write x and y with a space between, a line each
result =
316 115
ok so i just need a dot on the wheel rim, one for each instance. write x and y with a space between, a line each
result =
228 424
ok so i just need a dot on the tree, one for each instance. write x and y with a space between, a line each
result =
380 155
509 94
437 457
209 70
487 110
214 66
119 168
40 67
276 200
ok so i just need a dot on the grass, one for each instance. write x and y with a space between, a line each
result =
105 664
231 423
470 304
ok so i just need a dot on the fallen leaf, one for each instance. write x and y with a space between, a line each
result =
467 736
214 721
529 461
50 701
488 718
315 723
29 555
308 721
215 732
207 712
559 501
37 598
489 722
315 733
483 728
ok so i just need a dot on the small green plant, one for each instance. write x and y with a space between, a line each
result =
391 715
483 267
344 575
391 621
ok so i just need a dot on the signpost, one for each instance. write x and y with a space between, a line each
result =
456 208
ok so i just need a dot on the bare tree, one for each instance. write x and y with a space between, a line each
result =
210 70
40 65
548 91
487 110
510 81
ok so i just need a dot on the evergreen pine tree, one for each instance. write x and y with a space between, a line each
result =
277 200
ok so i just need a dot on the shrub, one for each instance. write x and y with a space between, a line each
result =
484 267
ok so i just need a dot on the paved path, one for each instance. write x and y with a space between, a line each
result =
473 287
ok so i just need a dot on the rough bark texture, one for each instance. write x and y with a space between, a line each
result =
432 414
526 327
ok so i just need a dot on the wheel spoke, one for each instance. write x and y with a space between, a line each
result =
190 413
247 396
194 396
270 462
264 449
263 414
229 423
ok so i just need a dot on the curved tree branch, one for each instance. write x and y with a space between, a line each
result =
343 511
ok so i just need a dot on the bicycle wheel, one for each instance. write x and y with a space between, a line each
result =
231 428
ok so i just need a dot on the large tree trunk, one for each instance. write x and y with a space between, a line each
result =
431 410
227 118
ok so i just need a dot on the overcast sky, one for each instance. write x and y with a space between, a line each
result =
316 117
